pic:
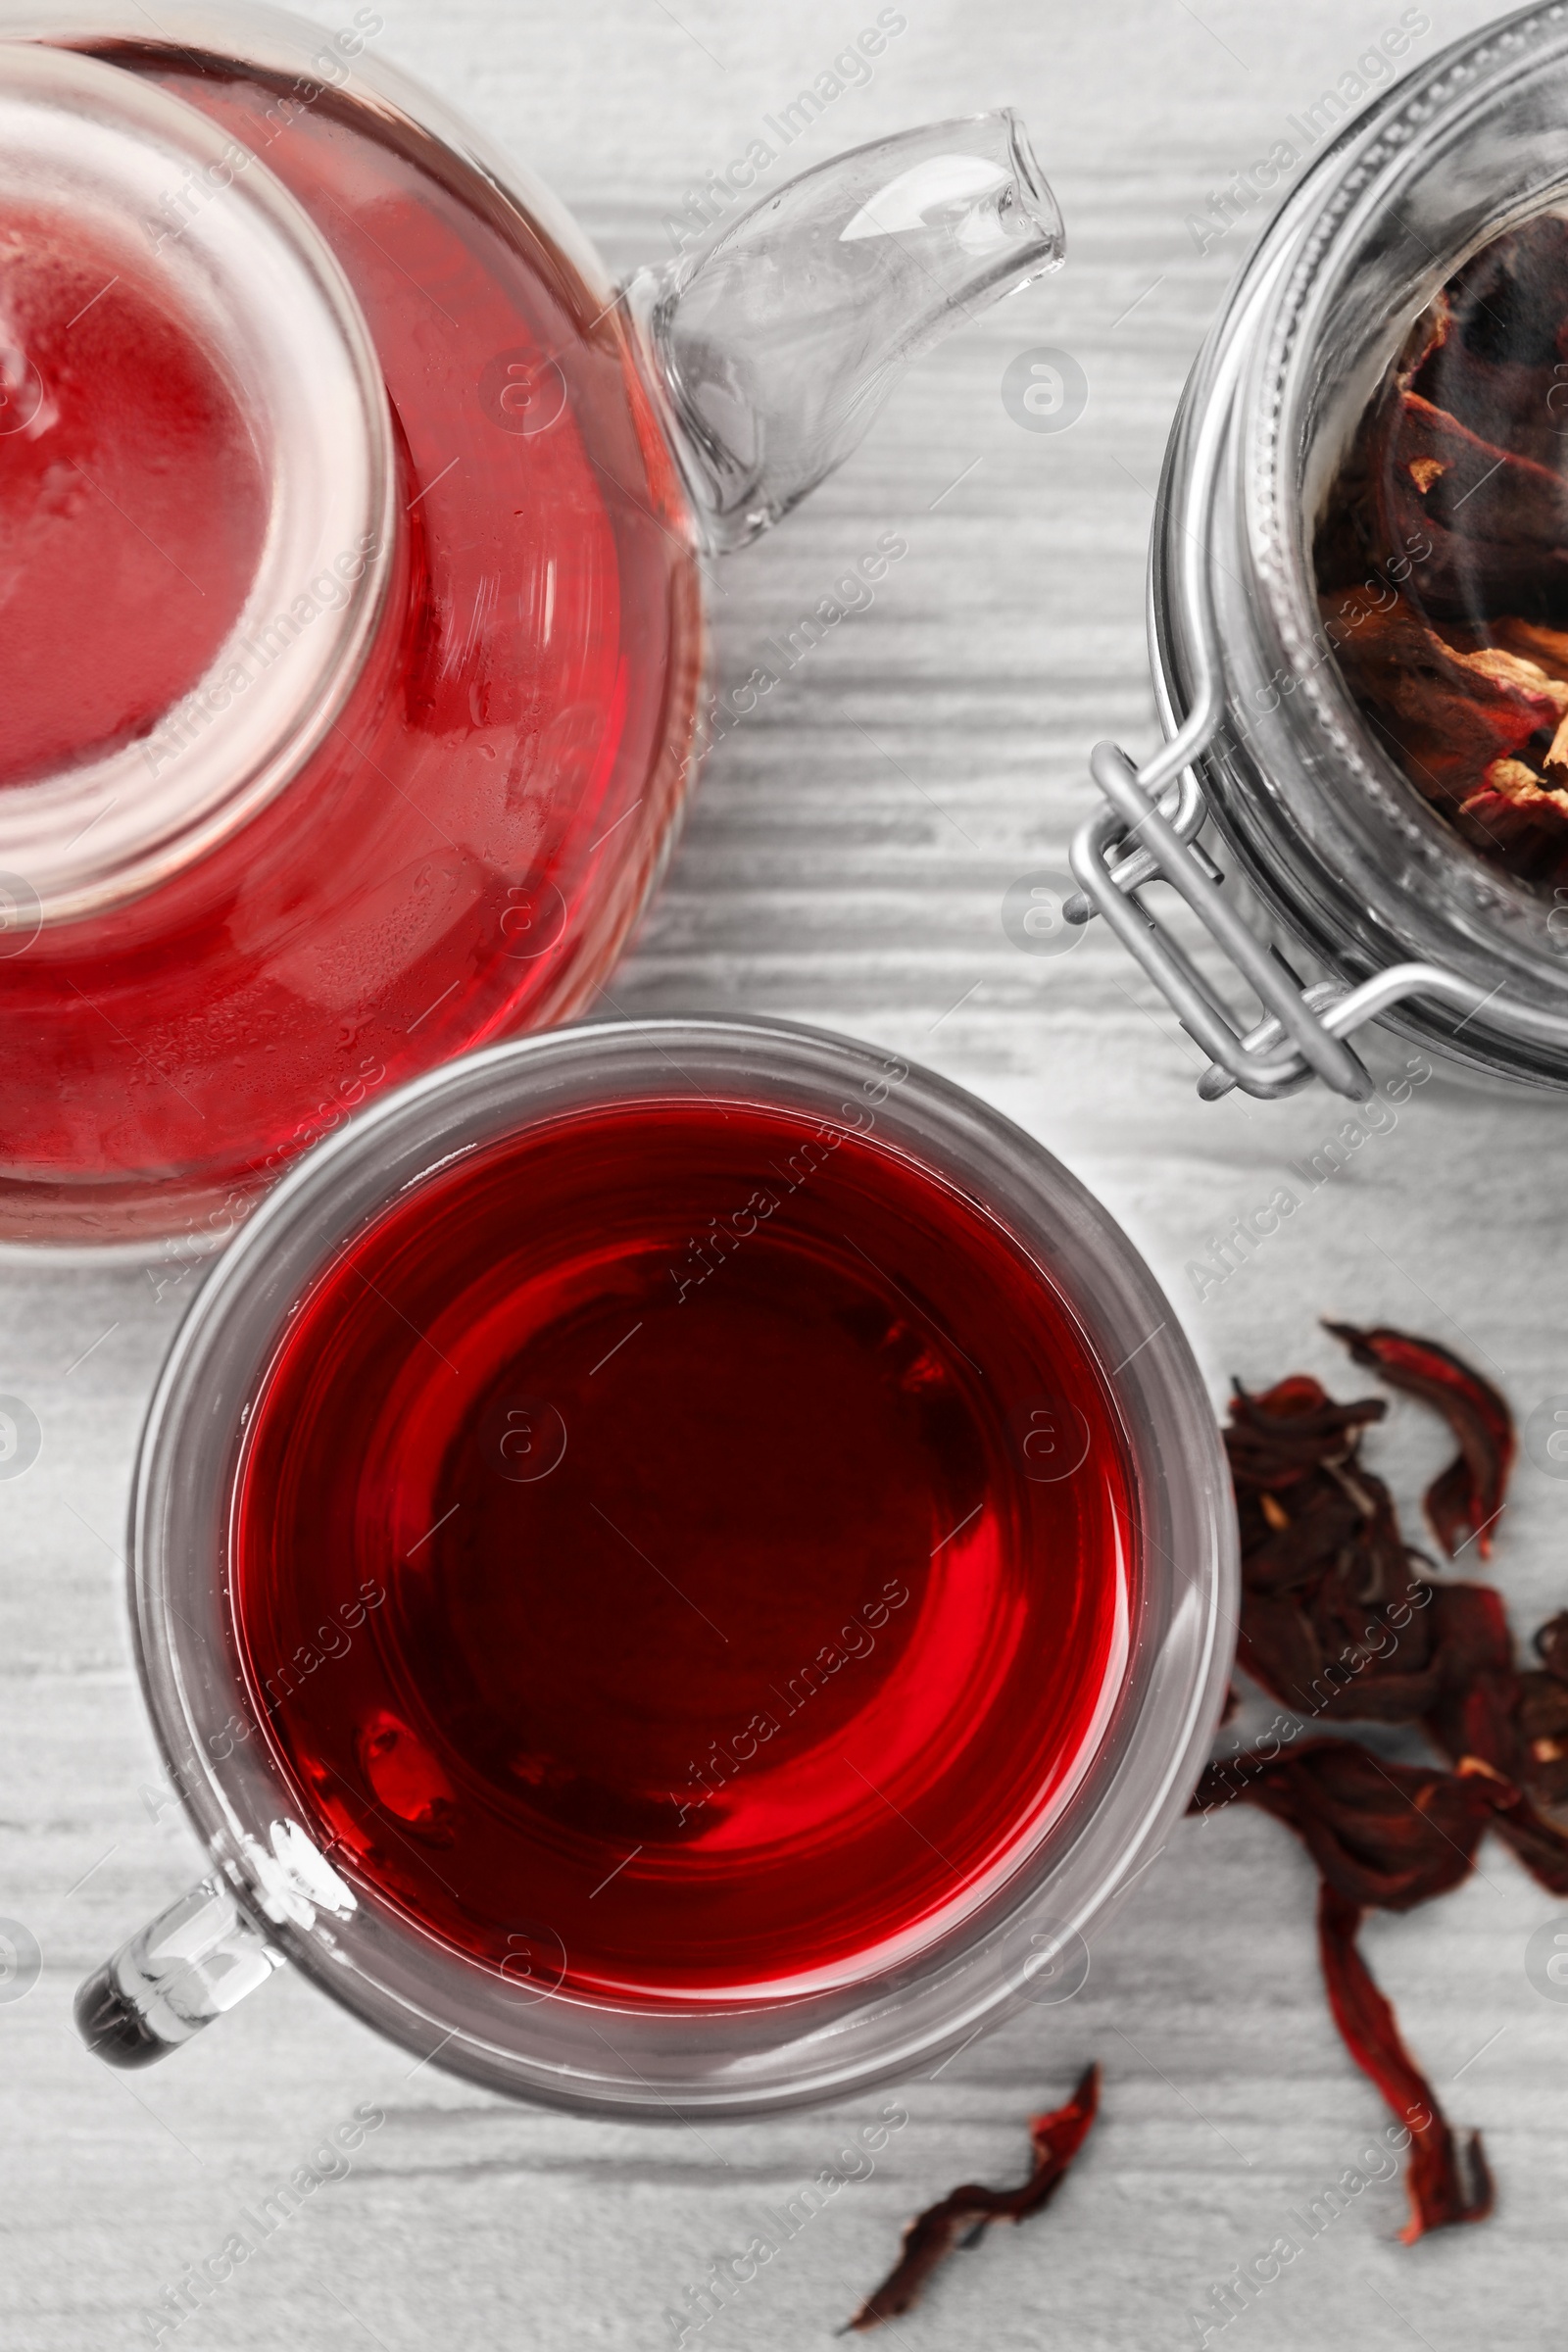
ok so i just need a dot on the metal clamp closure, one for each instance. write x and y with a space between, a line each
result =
1302 1032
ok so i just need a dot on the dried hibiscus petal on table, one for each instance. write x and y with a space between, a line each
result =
1339 1619
964 2216
1467 1498
1334 1605
1484 1722
1320 1550
1390 1837
1542 1715
1447 2183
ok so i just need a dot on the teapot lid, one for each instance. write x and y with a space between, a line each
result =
193 435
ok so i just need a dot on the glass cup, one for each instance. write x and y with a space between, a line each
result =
274 1895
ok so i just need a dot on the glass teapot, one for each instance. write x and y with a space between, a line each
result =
354 661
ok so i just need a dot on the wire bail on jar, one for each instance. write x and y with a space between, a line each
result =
1315 1019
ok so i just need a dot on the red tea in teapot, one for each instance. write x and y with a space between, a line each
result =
416 797
682 1550
125 460
462 855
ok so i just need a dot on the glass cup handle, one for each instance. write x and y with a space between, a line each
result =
189 1964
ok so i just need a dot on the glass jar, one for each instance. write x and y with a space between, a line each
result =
276 1895
1374 906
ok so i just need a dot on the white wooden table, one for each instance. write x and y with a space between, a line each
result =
845 864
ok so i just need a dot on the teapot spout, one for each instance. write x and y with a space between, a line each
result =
774 348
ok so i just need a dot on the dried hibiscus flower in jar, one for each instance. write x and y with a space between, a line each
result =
1441 554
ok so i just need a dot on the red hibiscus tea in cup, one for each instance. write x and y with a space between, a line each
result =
683 1551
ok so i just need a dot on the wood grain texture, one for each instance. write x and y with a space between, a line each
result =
845 864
